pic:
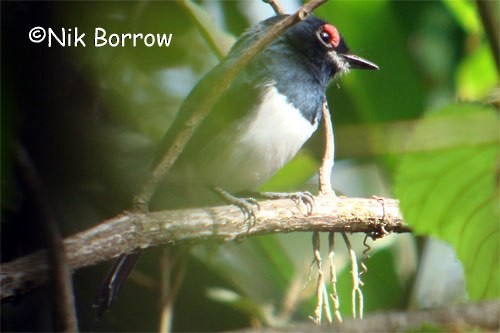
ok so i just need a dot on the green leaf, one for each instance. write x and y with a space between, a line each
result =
452 194
231 298
292 175
370 27
446 131
258 268
465 13
219 41
382 288
470 85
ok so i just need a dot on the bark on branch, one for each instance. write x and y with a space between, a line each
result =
481 316
128 232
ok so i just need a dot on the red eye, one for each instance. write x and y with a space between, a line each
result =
325 37
329 35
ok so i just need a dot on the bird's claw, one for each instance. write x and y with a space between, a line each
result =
305 198
245 204
253 202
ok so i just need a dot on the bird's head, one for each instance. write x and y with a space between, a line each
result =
323 47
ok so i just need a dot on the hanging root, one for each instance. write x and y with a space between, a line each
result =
321 292
333 278
362 263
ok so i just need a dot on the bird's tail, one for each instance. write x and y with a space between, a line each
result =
114 281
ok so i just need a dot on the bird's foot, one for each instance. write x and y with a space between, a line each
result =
305 198
245 204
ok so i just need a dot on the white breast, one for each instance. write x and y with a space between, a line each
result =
248 155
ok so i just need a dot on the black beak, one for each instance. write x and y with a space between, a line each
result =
359 63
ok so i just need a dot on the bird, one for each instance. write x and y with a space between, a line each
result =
261 121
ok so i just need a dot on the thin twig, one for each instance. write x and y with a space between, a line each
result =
206 97
291 301
319 284
218 41
333 277
276 6
490 17
323 304
362 263
325 171
326 189
173 268
357 294
326 303
166 307
62 286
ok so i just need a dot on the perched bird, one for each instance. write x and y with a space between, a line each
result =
268 112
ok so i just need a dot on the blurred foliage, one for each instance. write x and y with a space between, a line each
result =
383 290
465 14
470 85
452 194
385 45
91 118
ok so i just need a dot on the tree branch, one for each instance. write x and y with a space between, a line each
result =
218 41
456 318
62 285
488 11
128 232
278 10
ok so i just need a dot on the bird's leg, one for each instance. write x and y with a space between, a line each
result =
305 198
245 204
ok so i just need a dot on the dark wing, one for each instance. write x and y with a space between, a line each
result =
243 94
235 103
